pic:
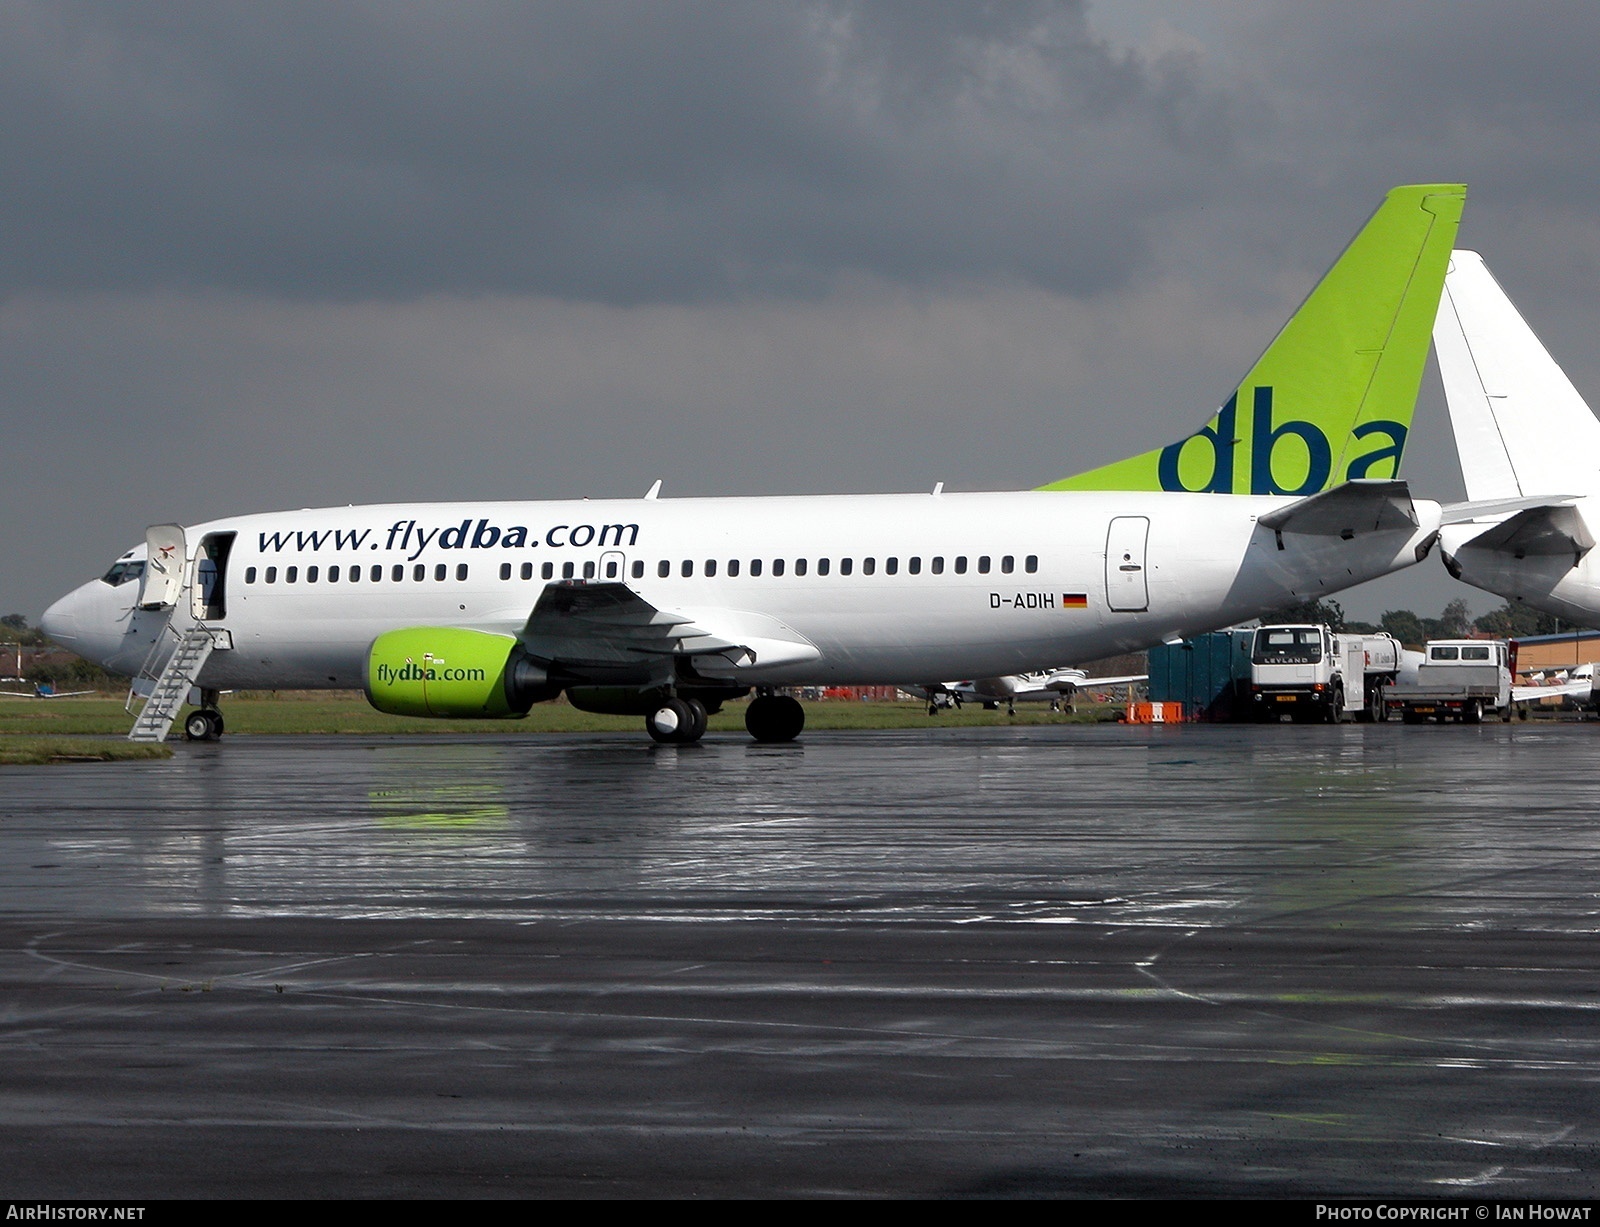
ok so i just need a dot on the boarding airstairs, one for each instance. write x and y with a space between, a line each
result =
169 690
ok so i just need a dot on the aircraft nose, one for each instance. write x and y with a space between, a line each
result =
60 621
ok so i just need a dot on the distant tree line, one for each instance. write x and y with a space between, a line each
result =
43 661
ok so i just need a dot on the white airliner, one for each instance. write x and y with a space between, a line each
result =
1053 686
667 608
1530 454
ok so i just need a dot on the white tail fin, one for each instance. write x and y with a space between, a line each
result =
1521 428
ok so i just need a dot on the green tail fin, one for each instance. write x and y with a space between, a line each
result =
1332 397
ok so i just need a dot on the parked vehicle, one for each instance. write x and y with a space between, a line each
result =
1459 679
1311 673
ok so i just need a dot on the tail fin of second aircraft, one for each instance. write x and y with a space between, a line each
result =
1332 397
1521 428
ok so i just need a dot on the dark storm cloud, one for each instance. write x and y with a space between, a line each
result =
621 152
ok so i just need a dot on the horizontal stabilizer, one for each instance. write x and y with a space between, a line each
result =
1351 510
1487 509
1538 531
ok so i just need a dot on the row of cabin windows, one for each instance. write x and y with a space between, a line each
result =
732 568
353 573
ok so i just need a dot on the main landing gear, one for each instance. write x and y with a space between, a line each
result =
205 722
774 717
769 717
677 722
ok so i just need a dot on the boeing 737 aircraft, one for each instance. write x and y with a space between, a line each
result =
666 608
1530 454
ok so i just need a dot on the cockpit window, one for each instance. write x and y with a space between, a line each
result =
123 573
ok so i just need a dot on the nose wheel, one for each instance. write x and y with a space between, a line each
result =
204 724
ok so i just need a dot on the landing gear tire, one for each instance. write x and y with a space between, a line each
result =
203 725
774 717
677 722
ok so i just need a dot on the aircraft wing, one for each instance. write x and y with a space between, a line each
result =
1583 688
1090 683
1549 529
606 625
1350 510
43 694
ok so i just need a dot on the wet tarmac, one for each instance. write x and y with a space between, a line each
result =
1085 960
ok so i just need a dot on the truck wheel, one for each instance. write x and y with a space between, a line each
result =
1335 712
1473 712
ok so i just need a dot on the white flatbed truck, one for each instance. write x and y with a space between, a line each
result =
1458 679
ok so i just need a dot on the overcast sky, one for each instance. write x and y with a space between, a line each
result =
265 255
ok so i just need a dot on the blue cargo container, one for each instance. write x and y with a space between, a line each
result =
1209 675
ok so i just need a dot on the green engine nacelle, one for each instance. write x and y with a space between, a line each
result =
450 671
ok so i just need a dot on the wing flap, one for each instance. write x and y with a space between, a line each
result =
606 625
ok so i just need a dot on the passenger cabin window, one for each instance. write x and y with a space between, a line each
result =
688 568
355 575
588 570
733 568
398 574
755 566
868 565
822 565
983 564
419 572
272 575
333 575
526 570
505 570
311 575
711 567
891 566
961 565
461 570
937 566
566 570
548 571
846 565
777 566
291 574
663 568
638 569
1032 563
914 565
1008 564
799 566
249 575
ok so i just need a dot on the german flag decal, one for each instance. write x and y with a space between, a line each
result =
1074 600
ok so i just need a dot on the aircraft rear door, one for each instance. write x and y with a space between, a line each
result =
1126 588
613 567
